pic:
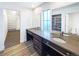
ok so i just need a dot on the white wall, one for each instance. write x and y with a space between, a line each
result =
74 22
5 22
18 21
3 28
36 18
26 23
1 31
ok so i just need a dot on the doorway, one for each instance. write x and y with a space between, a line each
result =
13 35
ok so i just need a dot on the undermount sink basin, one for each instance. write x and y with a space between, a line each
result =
59 40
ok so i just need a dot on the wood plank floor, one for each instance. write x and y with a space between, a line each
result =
23 49
13 38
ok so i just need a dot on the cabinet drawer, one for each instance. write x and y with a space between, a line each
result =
39 51
37 37
60 50
35 40
37 43
52 52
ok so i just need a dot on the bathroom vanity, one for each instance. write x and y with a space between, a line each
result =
53 44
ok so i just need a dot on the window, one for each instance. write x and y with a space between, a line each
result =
45 20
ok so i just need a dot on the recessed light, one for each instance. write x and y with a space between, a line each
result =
33 5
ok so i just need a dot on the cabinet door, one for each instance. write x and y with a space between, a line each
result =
39 46
29 35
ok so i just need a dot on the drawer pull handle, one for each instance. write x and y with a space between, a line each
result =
47 42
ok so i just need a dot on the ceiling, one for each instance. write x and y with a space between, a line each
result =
21 4
31 4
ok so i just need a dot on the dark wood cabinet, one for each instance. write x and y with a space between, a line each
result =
45 47
37 43
29 37
39 46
